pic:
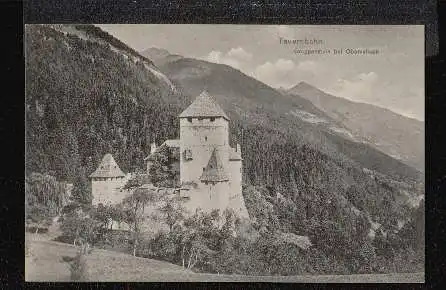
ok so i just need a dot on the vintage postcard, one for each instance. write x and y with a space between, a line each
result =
224 153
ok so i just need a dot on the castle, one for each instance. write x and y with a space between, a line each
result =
210 169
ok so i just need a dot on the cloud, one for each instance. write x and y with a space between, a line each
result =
235 57
279 73
214 56
286 73
240 54
275 73
311 67
360 88
370 77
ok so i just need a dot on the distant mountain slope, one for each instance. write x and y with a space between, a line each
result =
247 99
393 134
159 56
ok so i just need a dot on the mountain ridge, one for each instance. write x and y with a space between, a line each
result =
307 85
246 95
396 135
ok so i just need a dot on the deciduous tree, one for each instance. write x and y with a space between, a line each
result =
134 207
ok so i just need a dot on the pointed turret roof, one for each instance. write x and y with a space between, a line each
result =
204 105
214 171
108 168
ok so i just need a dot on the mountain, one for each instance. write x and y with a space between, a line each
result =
88 94
397 136
247 99
159 55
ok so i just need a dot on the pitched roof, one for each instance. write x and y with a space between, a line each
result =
214 171
204 105
108 168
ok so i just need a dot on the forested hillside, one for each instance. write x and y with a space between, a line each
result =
88 94
83 100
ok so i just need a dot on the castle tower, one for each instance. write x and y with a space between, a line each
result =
203 127
106 182
210 170
204 132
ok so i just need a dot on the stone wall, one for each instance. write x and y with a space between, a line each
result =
209 197
108 190
236 201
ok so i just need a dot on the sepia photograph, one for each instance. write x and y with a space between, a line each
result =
224 153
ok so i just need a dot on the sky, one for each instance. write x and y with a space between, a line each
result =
393 78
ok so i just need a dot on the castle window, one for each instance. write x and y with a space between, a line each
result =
187 154
189 119
212 119
205 138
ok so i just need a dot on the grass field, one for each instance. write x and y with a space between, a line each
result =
46 263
